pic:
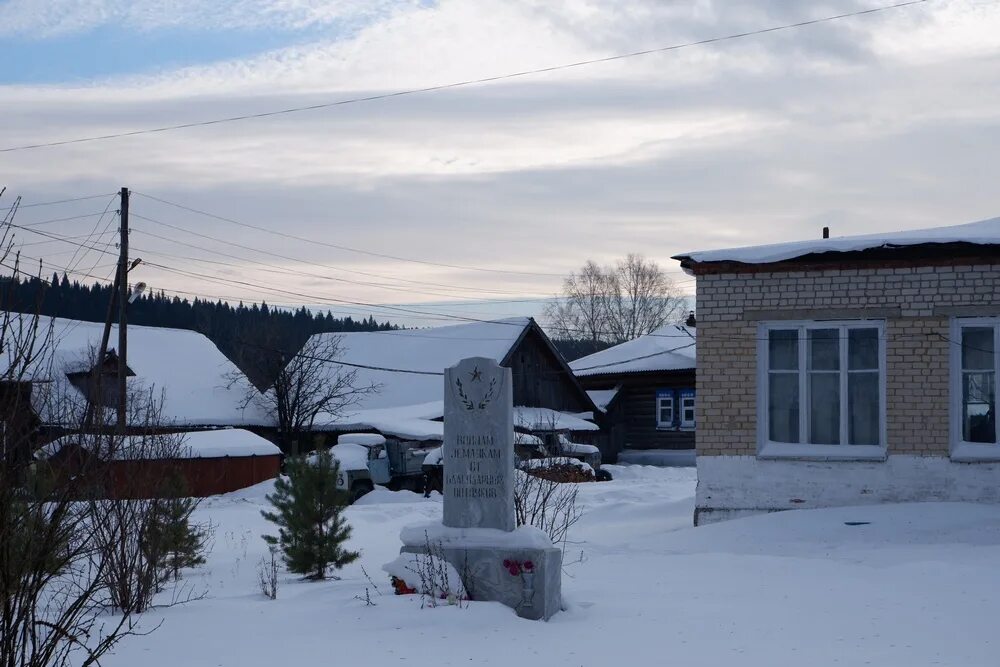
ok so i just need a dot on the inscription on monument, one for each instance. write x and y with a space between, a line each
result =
478 446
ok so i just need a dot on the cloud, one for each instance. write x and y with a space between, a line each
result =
882 122
59 17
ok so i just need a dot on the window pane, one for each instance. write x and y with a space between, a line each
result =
824 349
824 408
862 349
977 348
863 409
979 407
783 349
783 407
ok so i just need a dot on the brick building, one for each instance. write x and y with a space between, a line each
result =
848 371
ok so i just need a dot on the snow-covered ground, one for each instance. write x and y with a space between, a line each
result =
915 586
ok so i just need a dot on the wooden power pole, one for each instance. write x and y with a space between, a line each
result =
123 269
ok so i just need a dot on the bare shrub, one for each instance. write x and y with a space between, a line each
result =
53 600
561 471
545 504
267 573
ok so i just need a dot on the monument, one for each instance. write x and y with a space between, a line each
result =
517 566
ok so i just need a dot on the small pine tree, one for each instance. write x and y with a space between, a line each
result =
172 541
308 512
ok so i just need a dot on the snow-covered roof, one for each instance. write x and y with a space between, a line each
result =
669 348
200 386
428 351
545 419
233 442
984 232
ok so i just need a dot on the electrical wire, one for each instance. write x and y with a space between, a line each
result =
347 248
459 84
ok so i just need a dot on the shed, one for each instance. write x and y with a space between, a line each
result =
203 463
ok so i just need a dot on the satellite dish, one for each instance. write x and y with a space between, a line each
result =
137 292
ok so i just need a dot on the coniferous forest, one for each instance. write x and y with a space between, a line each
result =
256 337
243 333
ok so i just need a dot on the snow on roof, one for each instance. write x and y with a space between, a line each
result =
545 419
409 422
984 232
669 348
424 350
234 442
366 439
201 387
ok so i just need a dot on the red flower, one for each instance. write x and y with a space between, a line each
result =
506 563
514 570
529 566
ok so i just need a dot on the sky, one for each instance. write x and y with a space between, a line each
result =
880 122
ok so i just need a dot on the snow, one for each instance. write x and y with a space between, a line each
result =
984 232
409 422
233 442
439 535
428 351
434 456
546 419
368 439
578 448
350 456
200 386
409 566
602 397
914 588
658 457
668 348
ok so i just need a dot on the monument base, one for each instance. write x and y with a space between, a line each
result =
520 569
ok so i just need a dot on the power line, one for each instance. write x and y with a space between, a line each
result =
60 201
71 217
271 268
346 248
459 84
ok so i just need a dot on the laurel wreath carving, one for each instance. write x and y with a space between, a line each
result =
471 404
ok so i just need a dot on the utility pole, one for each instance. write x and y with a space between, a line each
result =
123 269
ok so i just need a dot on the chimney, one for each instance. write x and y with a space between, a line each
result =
826 232
691 322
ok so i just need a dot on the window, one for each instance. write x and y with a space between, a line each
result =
975 372
664 409
675 408
822 386
687 409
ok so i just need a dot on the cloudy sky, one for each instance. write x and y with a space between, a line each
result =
880 122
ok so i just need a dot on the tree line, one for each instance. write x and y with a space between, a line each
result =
243 333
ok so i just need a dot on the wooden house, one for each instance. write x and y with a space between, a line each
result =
645 389
407 369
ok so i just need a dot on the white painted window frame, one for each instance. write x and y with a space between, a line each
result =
767 449
684 423
673 411
962 451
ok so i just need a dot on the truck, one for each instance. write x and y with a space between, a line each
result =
367 459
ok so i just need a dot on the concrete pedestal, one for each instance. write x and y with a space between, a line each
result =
536 595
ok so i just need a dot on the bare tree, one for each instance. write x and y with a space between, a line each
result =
311 383
616 303
54 594
51 593
580 312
